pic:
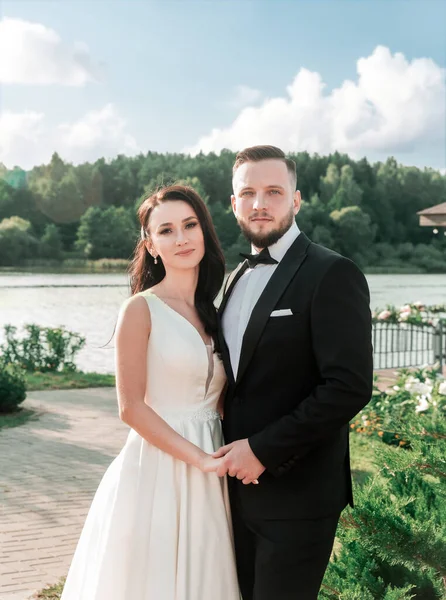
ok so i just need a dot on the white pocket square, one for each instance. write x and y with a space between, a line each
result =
282 312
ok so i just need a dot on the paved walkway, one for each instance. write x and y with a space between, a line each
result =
49 471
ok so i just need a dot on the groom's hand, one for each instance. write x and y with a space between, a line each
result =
239 461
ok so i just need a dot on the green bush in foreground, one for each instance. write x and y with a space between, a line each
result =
12 387
42 348
393 544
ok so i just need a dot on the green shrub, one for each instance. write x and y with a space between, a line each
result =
416 394
12 387
42 348
17 243
393 544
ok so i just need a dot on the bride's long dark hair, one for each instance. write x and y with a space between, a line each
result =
144 273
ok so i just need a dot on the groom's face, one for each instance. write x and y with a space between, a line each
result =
264 201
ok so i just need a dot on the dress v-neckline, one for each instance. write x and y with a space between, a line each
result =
209 355
184 319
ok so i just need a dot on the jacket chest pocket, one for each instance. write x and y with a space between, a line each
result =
284 327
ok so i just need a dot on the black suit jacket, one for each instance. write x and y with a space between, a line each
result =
301 379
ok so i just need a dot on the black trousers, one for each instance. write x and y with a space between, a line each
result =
282 559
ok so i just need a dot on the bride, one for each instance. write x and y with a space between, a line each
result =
159 526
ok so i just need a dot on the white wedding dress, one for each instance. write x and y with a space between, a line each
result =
159 529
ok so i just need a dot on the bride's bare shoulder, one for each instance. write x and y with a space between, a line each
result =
135 311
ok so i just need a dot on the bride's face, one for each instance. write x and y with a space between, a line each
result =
176 235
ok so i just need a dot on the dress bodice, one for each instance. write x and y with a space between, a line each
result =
181 380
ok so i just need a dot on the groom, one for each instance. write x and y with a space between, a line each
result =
296 343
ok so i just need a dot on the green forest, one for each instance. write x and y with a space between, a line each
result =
59 214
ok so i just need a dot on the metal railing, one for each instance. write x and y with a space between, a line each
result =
397 345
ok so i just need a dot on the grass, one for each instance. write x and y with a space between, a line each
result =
67 380
52 592
18 417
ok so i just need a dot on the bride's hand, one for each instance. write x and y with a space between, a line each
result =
209 464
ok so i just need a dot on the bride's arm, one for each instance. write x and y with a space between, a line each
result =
221 401
132 334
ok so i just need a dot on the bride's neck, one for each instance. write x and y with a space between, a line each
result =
181 284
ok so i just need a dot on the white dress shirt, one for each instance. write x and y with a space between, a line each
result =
247 292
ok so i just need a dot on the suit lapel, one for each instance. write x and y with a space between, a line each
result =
230 284
272 293
229 287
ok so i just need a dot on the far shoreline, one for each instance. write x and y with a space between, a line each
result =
117 270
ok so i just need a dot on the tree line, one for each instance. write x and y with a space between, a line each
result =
364 211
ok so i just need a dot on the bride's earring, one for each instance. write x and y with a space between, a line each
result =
155 260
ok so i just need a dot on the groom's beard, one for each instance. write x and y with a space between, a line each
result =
264 240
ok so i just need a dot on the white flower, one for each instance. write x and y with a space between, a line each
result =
383 315
422 405
442 388
396 388
404 315
405 308
425 389
418 304
417 387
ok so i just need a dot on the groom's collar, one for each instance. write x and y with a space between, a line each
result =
281 247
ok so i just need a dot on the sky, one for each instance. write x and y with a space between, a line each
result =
100 78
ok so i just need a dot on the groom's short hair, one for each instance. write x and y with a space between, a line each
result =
258 153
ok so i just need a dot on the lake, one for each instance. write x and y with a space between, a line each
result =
89 304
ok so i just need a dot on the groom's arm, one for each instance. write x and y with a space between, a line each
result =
341 337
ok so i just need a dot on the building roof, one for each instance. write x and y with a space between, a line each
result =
439 209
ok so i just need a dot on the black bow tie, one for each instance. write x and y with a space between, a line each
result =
262 258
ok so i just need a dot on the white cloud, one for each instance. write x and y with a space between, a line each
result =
26 139
31 53
243 96
20 136
393 106
99 133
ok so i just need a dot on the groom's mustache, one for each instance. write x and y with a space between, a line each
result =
260 216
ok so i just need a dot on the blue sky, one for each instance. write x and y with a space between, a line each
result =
184 75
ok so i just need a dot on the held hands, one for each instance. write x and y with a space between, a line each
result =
209 464
238 460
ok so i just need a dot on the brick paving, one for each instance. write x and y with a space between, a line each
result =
49 471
